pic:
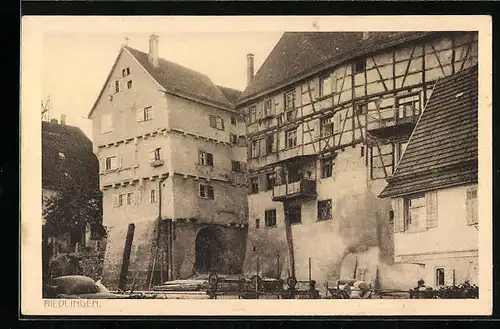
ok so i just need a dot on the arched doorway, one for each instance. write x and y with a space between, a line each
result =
210 249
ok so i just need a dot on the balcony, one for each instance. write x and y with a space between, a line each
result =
156 163
303 189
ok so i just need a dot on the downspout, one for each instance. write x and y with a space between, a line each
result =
158 232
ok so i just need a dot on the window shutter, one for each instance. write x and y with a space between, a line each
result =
151 155
449 277
212 121
118 161
102 164
317 129
262 147
222 122
139 114
115 200
398 204
471 205
431 208
337 121
138 197
282 141
210 190
333 82
210 159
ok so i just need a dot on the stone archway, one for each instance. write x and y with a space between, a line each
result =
210 249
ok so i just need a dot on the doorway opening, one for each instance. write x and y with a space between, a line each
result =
210 250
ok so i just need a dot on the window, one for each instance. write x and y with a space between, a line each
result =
206 191
327 167
145 114
153 198
233 138
116 88
471 202
270 181
360 108
216 122
130 198
270 218
126 72
415 212
121 200
129 84
238 166
327 126
252 116
294 214
291 138
206 158
233 120
155 155
290 100
106 123
254 150
254 185
325 209
269 144
111 163
359 66
257 225
325 86
440 276
292 114
268 107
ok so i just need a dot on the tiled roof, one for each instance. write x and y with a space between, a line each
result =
67 152
181 80
299 53
231 94
442 151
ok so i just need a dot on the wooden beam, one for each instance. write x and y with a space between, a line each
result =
342 85
437 57
380 75
408 66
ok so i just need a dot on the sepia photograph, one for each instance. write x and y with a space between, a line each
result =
303 159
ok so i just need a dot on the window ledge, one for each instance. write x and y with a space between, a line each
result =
323 219
411 231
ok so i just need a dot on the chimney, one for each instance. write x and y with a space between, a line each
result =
249 67
153 50
366 35
63 119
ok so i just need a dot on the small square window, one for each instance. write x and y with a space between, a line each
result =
254 185
252 114
121 200
153 197
359 66
111 163
129 84
117 86
440 276
270 181
205 158
327 167
206 191
233 120
270 218
233 138
257 225
291 138
290 100
360 109
325 209
130 197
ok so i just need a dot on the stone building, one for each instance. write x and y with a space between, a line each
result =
328 116
434 188
171 150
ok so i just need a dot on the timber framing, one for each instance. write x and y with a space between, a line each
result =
374 96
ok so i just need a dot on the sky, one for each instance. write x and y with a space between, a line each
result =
75 65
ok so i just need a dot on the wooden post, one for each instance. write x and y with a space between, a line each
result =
126 257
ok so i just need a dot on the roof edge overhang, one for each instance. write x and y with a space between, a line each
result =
331 63
383 195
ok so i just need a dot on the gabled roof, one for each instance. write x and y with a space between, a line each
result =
67 152
181 81
300 54
442 152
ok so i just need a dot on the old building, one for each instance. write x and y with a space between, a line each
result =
172 155
328 116
67 159
434 187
